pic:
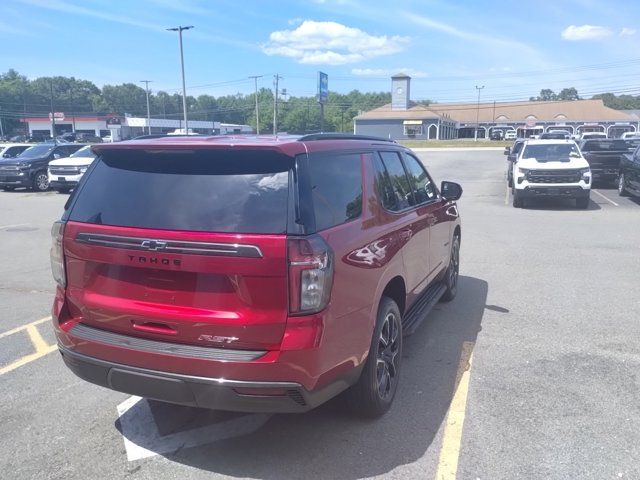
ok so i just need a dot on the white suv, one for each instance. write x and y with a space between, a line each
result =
551 168
65 173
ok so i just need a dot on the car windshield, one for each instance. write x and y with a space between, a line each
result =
553 152
37 151
84 152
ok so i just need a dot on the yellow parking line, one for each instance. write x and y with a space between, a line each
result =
450 451
23 327
28 359
41 346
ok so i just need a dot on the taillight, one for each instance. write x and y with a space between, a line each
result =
310 274
57 254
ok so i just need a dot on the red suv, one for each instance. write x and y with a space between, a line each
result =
251 274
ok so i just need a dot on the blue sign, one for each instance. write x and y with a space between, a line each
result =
323 87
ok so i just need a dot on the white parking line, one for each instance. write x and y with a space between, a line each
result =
142 438
607 199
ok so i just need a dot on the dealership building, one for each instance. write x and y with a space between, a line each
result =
122 127
404 119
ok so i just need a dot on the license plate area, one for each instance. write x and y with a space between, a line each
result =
62 179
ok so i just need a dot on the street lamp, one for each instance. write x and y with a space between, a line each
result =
475 134
146 85
184 88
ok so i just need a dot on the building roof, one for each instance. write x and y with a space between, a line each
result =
505 112
414 112
401 75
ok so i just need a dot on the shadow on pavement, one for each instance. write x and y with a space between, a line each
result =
559 204
326 443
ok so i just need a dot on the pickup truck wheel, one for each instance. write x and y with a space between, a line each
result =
63 190
373 394
40 182
517 199
451 275
582 202
622 186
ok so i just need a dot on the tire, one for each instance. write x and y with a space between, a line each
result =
622 188
582 202
63 190
451 276
40 182
375 390
517 200
510 181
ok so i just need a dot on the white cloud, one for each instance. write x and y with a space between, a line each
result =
331 43
627 32
387 72
575 33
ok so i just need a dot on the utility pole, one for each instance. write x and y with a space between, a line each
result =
276 80
255 79
53 115
1 127
179 29
73 113
146 86
475 135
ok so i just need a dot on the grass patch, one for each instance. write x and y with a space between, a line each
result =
455 143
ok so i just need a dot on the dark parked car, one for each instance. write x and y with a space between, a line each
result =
29 169
512 153
604 157
555 136
252 274
629 178
497 135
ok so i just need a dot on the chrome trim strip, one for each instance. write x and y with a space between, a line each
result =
85 332
170 246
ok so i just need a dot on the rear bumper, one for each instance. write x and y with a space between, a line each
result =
554 191
214 393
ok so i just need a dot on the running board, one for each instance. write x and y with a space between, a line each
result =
419 310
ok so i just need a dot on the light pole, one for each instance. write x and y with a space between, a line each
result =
276 80
475 134
146 85
184 88
255 78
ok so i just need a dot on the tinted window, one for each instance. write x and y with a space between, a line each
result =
84 152
517 147
238 191
392 182
14 151
336 188
37 151
423 188
604 145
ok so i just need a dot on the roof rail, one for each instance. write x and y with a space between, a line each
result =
342 136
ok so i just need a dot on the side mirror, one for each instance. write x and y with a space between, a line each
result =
450 190
507 150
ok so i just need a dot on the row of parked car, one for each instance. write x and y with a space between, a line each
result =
43 166
563 168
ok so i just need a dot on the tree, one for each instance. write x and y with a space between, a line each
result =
568 94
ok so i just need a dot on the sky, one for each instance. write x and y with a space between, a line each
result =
447 47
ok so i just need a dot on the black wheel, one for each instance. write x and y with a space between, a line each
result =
40 182
517 199
373 394
582 203
510 181
63 190
451 276
622 186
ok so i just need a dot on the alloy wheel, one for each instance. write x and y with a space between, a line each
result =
42 182
454 269
387 357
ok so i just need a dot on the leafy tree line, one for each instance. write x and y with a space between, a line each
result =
619 102
20 96
546 94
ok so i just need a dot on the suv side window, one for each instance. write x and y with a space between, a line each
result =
336 188
423 188
393 185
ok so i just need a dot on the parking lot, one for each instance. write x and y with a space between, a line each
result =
532 372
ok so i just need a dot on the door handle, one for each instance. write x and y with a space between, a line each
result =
406 234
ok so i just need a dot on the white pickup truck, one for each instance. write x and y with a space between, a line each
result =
551 168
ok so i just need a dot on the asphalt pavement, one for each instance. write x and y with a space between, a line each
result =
531 372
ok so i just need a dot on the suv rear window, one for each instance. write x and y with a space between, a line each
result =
226 191
604 145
